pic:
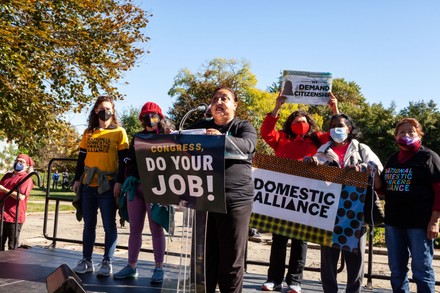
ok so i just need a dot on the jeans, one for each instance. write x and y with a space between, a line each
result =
90 202
403 242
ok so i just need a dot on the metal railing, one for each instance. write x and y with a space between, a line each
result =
49 198
368 275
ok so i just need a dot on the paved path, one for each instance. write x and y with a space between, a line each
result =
70 228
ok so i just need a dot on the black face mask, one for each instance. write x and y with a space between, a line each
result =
105 115
151 120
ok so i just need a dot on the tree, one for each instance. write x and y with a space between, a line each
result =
63 144
374 121
130 121
7 156
59 55
191 89
376 124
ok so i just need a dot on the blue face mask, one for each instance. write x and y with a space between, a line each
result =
18 166
339 134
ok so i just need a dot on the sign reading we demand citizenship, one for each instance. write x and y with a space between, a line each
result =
303 87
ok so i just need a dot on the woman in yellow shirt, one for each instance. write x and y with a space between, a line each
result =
98 178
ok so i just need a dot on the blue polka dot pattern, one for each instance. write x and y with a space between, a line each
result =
349 218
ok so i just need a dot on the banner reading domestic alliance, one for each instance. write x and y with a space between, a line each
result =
178 167
303 200
321 204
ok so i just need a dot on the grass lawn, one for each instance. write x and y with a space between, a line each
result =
34 207
38 195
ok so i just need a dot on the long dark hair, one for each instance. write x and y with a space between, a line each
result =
165 126
312 129
93 120
355 132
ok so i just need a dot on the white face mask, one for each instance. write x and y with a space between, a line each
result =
339 134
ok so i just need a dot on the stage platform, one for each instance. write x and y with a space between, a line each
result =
26 270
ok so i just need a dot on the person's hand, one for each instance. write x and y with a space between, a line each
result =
333 104
117 189
353 168
311 160
212 131
3 189
76 185
358 168
432 231
279 102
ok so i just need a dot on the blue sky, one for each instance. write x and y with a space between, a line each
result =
389 48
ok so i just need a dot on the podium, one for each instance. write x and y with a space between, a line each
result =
186 168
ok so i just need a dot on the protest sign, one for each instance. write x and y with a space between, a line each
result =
320 204
179 167
303 87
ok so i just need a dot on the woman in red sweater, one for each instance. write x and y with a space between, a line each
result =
22 167
300 137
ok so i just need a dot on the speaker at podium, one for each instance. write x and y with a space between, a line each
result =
63 279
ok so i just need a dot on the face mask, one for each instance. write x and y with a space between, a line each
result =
408 140
339 134
300 128
409 143
151 120
105 115
18 166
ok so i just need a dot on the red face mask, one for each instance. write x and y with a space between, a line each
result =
300 128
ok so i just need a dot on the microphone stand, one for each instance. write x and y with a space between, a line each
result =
182 122
202 107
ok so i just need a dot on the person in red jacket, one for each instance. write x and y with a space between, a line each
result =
298 138
22 166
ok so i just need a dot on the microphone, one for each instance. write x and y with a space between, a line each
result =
200 108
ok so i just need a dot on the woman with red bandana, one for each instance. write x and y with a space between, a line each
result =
22 167
299 138
411 184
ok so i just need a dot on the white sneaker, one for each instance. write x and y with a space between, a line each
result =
106 269
271 286
84 266
293 289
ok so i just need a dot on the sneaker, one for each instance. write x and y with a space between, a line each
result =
293 289
254 233
127 272
84 266
271 286
157 276
106 269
